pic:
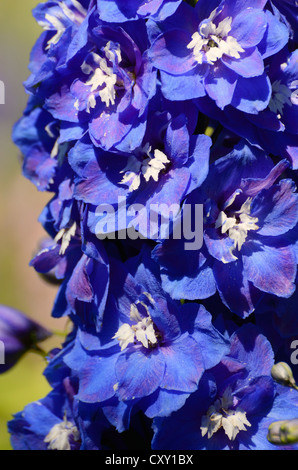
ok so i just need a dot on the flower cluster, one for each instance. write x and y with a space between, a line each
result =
166 132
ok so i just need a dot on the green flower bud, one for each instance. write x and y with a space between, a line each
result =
283 432
282 373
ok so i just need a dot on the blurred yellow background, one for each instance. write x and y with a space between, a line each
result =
20 205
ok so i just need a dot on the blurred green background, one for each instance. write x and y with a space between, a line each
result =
20 206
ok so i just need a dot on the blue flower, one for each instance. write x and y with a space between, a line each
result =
83 269
58 421
159 174
151 351
272 129
103 83
218 49
235 403
250 231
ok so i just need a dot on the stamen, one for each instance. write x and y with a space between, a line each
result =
103 78
149 168
211 42
60 435
220 415
142 331
238 225
65 235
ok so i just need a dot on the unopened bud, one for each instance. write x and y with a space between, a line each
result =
18 334
283 432
282 373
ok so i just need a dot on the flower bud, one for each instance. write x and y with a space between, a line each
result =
282 373
18 334
283 432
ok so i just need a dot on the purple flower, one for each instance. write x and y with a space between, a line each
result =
218 49
104 85
159 174
82 268
235 403
38 137
18 334
61 22
151 351
272 129
250 231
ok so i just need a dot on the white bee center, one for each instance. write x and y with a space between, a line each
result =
103 79
60 435
220 415
65 236
238 225
142 331
149 168
211 42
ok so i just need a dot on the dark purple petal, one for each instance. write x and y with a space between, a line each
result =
253 186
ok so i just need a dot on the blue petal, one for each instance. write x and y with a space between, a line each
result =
249 27
184 365
252 95
169 52
276 209
275 38
253 349
220 84
233 287
163 403
139 373
249 65
262 261
183 87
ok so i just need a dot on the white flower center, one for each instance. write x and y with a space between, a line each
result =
239 224
149 168
220 415
60 435
65 235
211 42
281 95
103 79
142 331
